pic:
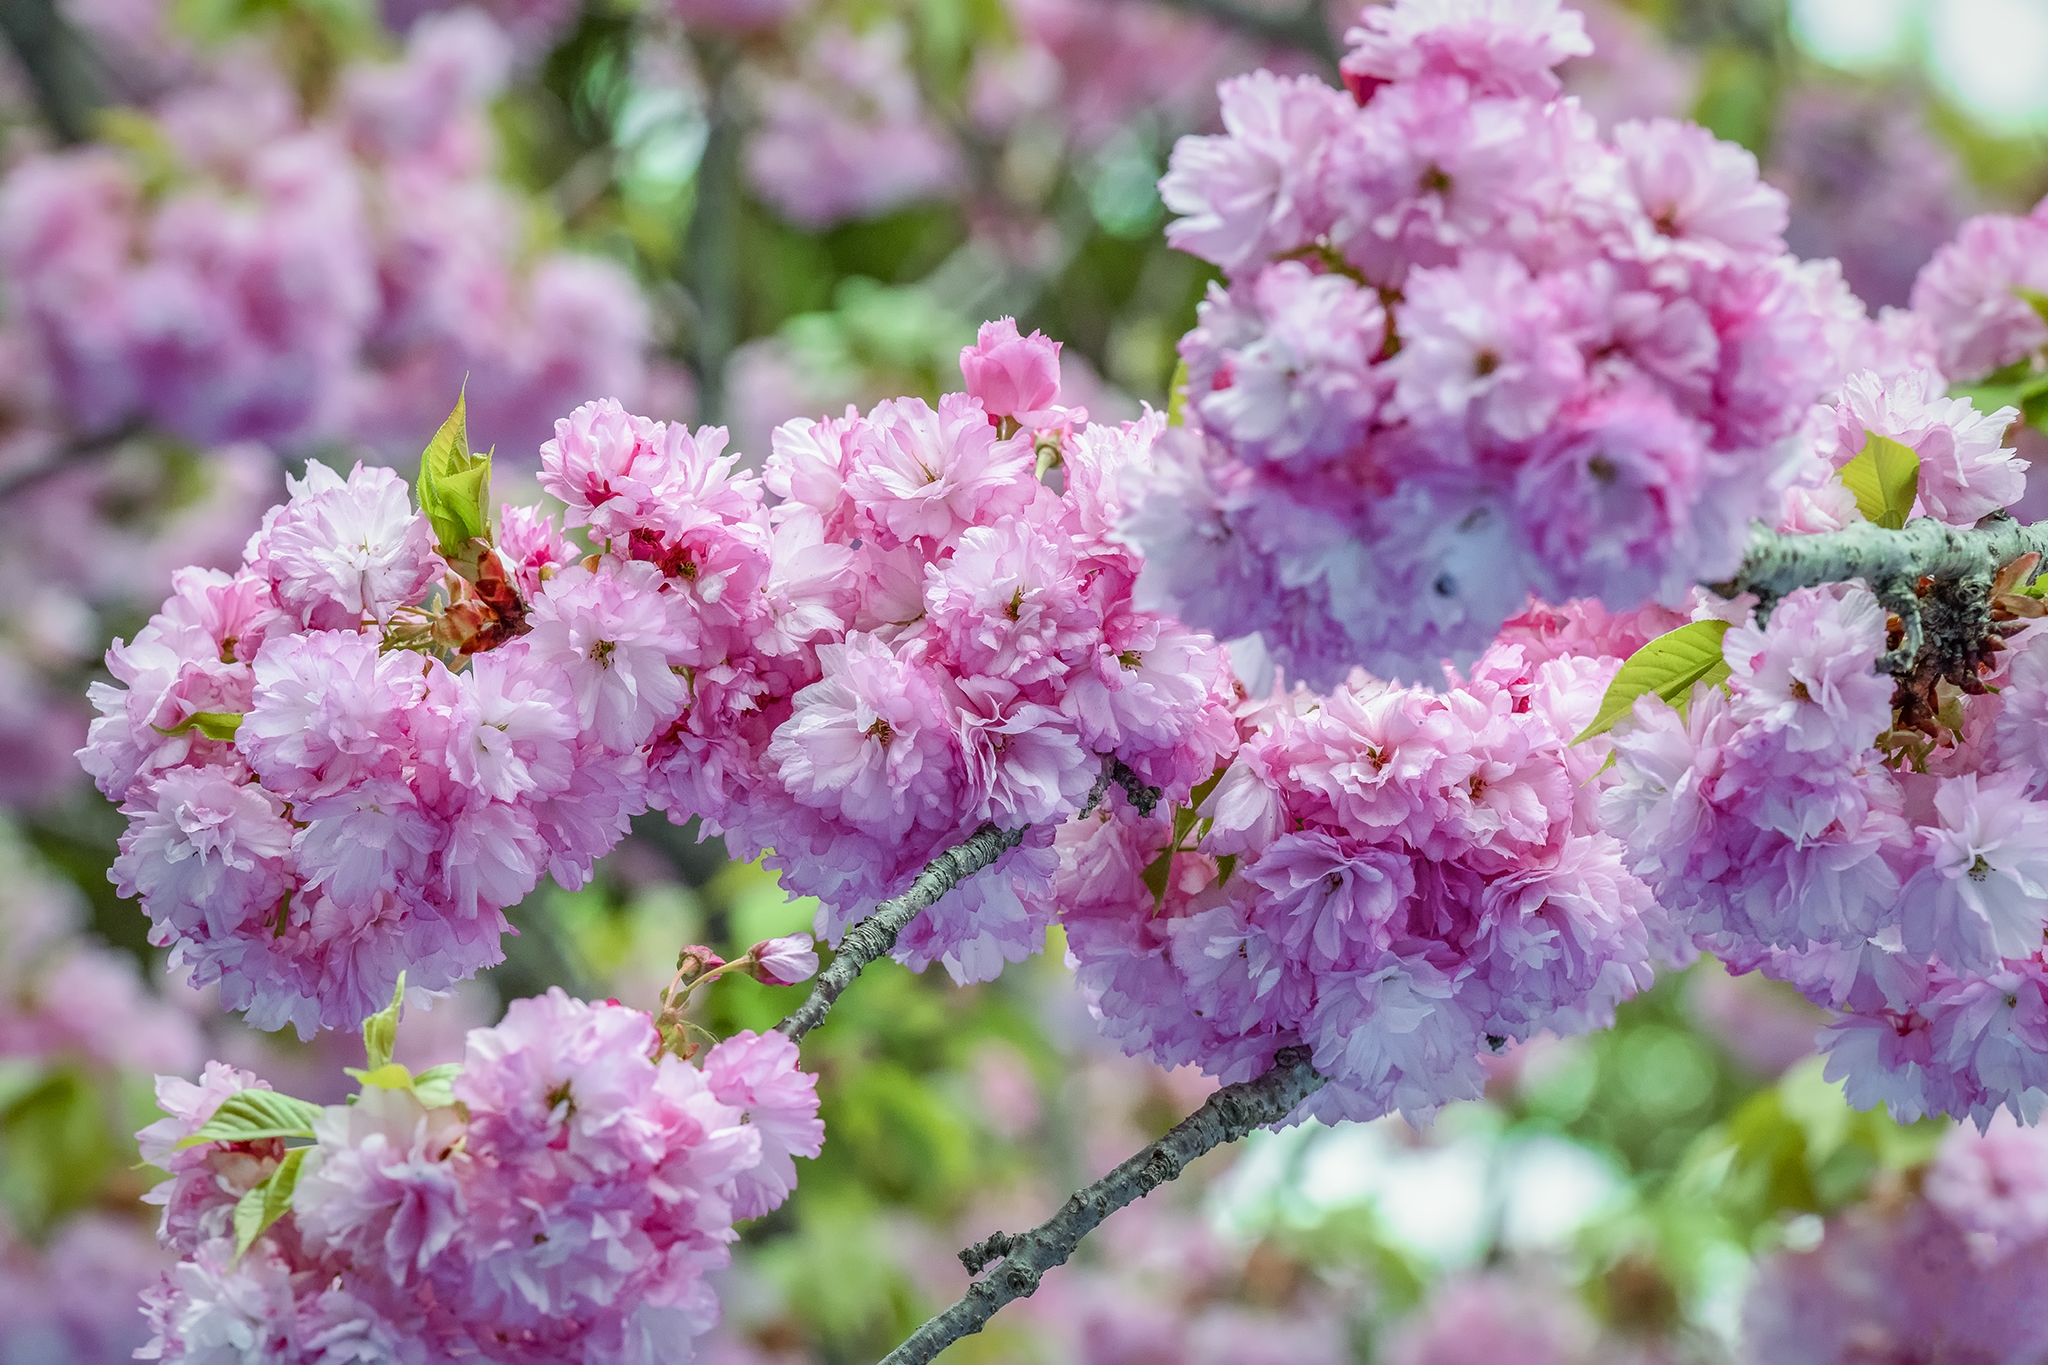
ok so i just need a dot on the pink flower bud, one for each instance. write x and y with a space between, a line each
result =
784 961
695 960
1013 376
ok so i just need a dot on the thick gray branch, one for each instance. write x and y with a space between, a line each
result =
1777 564
874 936
1943 628
1225 1117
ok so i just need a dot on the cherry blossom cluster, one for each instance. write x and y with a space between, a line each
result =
561 1196
1402 879
346 759
309 815
1955 1271
842 129
1469 350
918 637
1794 822
846 135
251 269
1983 293
1876 842
1966 469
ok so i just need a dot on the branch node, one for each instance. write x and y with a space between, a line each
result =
992 1247
1143 798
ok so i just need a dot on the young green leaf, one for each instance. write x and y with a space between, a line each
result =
1177 396
1885 476
455 489
1155 877
380 1030
390 1076
268 1201
252 1115
2035 300
220 725
2028 393
435 1086
1668 666
1206 786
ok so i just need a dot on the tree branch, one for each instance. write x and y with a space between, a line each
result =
1225 1117
60 66
874 936
710 268
1959 559
1305 27
62 457
1777 564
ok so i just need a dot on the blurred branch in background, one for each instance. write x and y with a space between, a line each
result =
62 456
1305 26
61 67
710 267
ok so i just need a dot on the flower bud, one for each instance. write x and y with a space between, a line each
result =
1012 375
784 961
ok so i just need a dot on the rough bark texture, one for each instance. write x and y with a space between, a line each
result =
874 936
1023 1259
1933 577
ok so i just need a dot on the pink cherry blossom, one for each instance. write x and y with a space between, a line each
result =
1504 47
1011 375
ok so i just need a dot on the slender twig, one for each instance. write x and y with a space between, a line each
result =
874 936
1306 26
1225 1117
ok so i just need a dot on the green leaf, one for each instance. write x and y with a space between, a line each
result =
380 1030
1668 666
390 1076
455 490
1884 477
2035 300
57 1150
268 1201
2026 391
253 1115
1177 396
436 1085
1155 877
220 725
